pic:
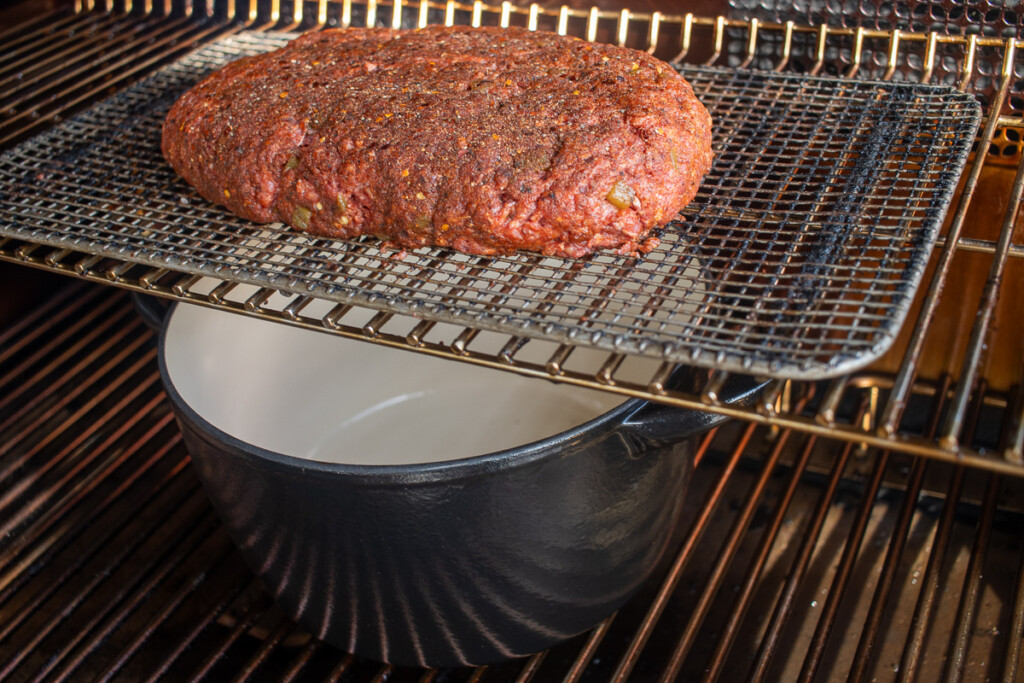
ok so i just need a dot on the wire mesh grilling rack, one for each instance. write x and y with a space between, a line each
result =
798 258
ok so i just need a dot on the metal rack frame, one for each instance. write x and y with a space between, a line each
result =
709 40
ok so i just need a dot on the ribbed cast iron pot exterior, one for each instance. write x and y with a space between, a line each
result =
461 562
439 566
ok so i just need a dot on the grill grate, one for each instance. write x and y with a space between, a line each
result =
798 259
805 556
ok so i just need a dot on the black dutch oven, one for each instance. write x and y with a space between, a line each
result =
496 529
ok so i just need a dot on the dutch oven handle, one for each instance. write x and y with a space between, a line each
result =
659 425
153 310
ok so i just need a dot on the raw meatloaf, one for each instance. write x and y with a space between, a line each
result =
485 140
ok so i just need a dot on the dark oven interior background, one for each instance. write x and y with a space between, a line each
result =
831 533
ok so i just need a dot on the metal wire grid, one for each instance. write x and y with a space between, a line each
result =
797 259
683 36
805 558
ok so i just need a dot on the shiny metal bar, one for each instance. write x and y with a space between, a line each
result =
48 502
949 434
1014 451
22 74
586 655
27 395
530 669
914 649
728 633
173 602
864 656
245 621
896 403
960 639
751 44
787 46
643 633
893 61
783 607
856 52
653 29
17 575
718 41
266 648
128 600
135 65
159 670
816 649
188 517
260 297
1014 662
39 449
301 660
86 67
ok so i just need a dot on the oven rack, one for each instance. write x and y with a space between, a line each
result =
986 66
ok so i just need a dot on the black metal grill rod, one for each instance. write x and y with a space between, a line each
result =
932 582
218 608
643 633
339 669
846 563
301 660
82 482
23 573
726 553
32 391
32 330
783 607
253 613
880 599
139 66
268 645
728 634
383 674
960 638
851 550
1015 651
15 489
530 668
48 314
25 33
949 435
83 74
897 401
187 588
119 556
72 48
579 665
132 600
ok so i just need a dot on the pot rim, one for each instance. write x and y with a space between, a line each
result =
406 473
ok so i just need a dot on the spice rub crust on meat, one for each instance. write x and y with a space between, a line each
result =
485 140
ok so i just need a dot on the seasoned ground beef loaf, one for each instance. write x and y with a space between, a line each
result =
485 140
